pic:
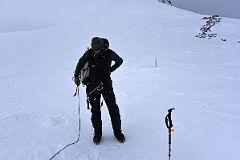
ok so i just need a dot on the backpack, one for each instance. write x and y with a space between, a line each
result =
85 72
106 43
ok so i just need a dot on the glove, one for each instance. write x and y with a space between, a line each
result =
77 81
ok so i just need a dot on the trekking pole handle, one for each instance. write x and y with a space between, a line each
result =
171 109
168 119
76 92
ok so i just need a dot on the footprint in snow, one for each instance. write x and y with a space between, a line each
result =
55 121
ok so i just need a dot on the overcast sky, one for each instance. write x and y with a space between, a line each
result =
225 8
34 14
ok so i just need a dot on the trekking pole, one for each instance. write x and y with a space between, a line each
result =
169 124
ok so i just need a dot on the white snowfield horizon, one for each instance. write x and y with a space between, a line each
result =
27 15
199 77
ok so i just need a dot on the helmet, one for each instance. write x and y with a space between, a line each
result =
97 43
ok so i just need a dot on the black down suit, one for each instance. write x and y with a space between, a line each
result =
100 70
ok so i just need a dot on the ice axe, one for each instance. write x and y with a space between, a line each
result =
169 124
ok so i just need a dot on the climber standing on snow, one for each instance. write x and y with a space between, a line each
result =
99 58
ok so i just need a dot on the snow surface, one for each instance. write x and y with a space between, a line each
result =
199 77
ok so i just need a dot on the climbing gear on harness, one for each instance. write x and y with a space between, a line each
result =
97 89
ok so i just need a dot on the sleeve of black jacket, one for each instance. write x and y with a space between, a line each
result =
117 59
81 63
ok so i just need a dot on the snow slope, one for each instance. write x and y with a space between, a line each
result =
199 77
